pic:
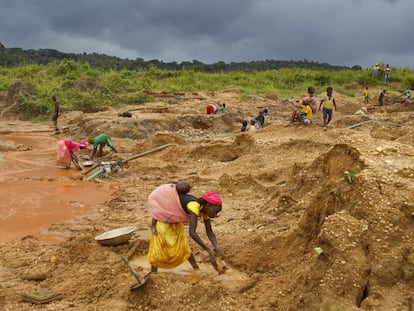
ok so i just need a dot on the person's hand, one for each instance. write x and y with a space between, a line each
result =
219 252
154 230
212 254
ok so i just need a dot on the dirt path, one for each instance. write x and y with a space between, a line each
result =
284 194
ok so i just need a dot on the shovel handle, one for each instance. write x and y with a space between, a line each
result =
137 276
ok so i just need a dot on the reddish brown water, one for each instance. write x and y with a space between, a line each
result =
35 193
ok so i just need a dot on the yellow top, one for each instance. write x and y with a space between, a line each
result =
308 111
328 102
195 207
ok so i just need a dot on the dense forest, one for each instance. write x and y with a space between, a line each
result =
12 57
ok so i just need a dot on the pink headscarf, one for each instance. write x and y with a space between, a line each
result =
83 144
212 198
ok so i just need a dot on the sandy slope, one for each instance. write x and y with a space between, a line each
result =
284 194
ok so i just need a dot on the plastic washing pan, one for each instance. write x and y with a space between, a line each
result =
87 163
115 236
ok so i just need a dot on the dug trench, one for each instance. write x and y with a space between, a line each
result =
298 232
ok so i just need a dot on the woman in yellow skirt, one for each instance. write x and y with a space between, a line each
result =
171 207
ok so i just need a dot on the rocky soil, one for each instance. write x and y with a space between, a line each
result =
285 193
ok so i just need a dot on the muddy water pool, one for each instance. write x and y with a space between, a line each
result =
35 193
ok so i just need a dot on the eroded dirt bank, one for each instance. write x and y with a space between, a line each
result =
284 194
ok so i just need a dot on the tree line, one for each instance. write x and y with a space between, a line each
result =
13 57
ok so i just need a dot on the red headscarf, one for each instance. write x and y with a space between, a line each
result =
212 198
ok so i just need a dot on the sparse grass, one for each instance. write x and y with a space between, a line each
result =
261 270
349 174
128 87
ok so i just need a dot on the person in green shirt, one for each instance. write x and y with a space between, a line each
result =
101 141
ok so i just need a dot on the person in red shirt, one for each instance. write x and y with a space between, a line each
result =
211 109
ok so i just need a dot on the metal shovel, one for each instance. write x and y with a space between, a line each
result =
140 281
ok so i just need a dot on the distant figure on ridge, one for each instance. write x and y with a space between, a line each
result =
375 71
211 109
387 70
56 113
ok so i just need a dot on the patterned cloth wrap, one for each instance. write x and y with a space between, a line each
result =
164 205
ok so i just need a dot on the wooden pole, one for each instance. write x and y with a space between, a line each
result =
364 122
131 158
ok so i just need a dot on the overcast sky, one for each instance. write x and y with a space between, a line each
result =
338 32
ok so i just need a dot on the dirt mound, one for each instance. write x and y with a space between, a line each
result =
85 84
312 219
329 173
14 93
20 89
227 151
11 146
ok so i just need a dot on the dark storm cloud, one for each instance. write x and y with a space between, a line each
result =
341 32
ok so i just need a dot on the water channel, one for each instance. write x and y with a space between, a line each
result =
35 193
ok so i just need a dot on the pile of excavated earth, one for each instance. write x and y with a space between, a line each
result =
312 219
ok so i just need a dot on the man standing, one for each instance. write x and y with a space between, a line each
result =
375 71
56 114
387 70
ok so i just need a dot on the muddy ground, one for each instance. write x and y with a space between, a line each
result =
284 191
